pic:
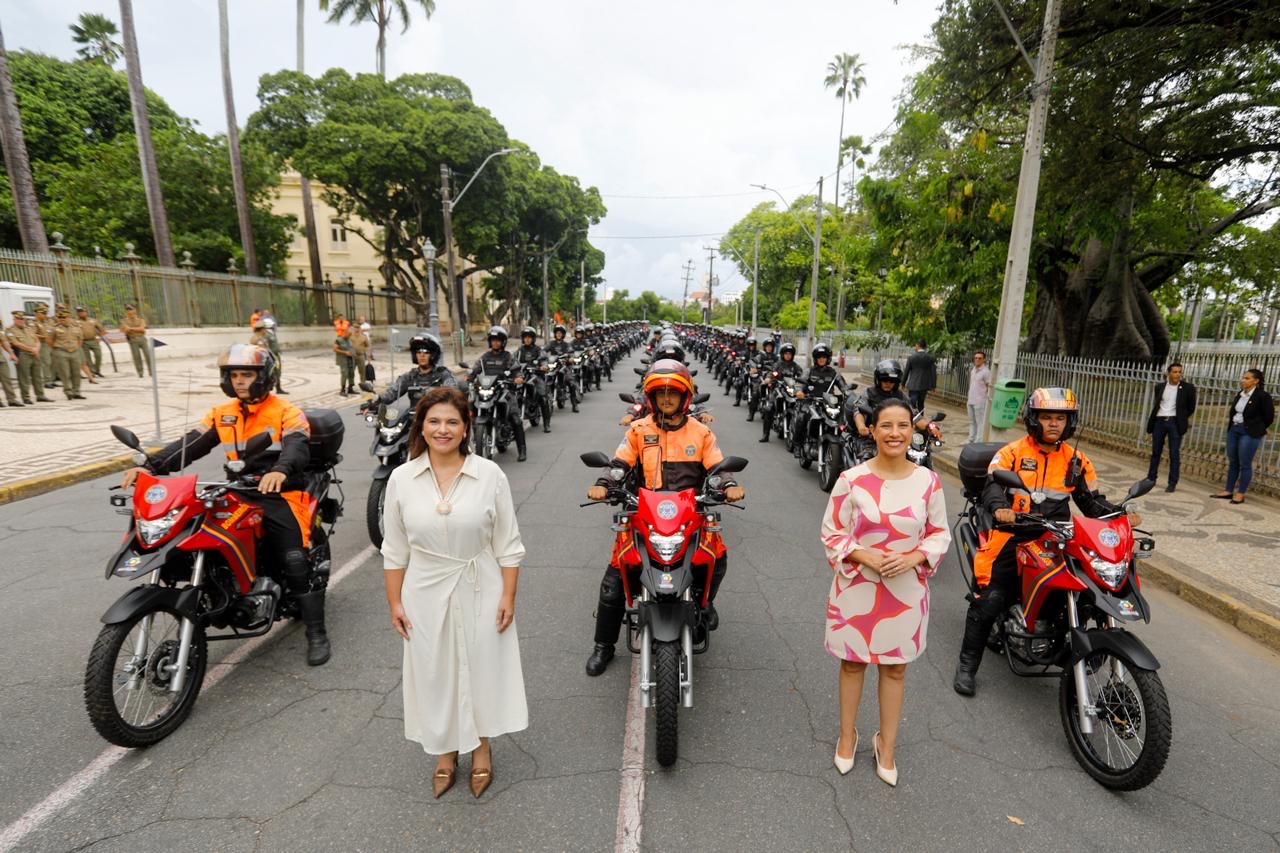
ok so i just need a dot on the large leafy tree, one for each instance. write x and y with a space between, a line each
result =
380 13
96 34
1162 140
844 74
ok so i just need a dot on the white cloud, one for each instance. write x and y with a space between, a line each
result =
656 98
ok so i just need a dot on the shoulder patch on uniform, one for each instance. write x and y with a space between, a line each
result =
1026 464
650 438
690 451
227 420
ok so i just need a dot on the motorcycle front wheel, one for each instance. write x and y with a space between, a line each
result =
126 682
1133 730
666 665
828 471
373 511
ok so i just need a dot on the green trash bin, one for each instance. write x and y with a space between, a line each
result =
1006 400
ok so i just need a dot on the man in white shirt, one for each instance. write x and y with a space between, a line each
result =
979 395
1172 407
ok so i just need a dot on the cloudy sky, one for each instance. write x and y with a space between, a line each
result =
684 103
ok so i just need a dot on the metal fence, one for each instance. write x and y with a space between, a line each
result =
168 296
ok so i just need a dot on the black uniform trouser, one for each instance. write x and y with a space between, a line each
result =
612 607
542 399
281 542
1002 590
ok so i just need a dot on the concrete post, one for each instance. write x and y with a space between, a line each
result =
60 252
189 282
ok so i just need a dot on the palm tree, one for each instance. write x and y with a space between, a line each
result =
378 11
845 74
96 33
308 207
146 147
233 146
23 188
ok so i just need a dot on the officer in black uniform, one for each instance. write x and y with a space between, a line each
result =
530 353
425 350
787 369
562 347
821 377
498 362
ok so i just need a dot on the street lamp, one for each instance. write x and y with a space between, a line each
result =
459 295
433 316
816 237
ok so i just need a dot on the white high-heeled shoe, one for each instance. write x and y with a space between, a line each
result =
889 777
844 765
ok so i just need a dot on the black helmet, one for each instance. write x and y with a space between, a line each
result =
579 330
767 341
1051 400
248 357
425 342
496 332
751 342
887 370
820 351
528 332
787 348
559 327
669 349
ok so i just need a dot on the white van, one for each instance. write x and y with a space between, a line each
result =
15 296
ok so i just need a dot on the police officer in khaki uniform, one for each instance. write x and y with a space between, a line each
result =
44 331
7 357
26 344
135 329
67 343
91 354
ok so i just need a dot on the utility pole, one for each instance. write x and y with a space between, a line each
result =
582 276
688 275
711 281
546 316
813 287
1009 328
459 296
755 281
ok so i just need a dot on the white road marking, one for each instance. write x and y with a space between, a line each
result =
631 795
71 789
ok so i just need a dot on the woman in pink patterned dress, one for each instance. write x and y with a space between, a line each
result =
885 531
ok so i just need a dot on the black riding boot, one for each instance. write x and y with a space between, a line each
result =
610 611
311 609
546 414
521 450
983 612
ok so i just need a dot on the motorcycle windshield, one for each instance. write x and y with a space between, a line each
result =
155 497
667 512
487 381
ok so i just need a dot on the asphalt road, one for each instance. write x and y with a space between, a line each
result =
279 756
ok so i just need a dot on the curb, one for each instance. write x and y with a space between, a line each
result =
45 483
1181 581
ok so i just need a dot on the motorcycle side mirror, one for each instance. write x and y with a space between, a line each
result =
639 371
124 436
464 365
1139 489
728 465
693 373
939 416
853 386
255 446
700 398
646 360
625 397
1007 479
595 459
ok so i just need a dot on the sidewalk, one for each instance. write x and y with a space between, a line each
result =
1211 553
50 445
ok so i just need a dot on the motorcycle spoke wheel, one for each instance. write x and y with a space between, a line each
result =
1132 731
126 682
374 505
666 665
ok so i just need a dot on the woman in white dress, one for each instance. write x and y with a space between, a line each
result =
451 553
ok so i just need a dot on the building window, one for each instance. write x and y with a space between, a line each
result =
337 234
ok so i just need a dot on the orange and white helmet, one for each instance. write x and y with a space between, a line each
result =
668 373
1051 400
247 357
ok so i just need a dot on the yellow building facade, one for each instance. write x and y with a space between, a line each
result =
343 253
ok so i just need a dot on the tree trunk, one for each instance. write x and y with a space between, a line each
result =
25 203
146 148
233 146
844 99
308 206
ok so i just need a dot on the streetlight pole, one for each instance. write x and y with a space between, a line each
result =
813 287
755 281
459 292
433 314
582 275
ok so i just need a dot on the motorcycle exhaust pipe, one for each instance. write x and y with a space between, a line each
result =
646 667
188 629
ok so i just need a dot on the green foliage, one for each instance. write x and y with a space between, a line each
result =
97 36
79 131
795 315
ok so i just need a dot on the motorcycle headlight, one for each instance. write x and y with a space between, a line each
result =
486 393
1110 573
158 528
666 546
391 433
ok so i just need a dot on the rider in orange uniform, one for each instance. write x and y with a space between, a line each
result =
673 452
247 376
1054 474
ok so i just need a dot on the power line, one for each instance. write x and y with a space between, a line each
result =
652 236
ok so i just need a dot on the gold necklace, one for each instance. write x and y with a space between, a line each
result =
444 506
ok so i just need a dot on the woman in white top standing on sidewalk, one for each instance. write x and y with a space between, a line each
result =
451 554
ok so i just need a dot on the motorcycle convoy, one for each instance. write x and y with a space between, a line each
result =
198 545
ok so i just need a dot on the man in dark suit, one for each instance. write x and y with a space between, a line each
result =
1173 405
921 375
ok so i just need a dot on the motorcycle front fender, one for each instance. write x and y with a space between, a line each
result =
666 618
384 470
1116 642
143 598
